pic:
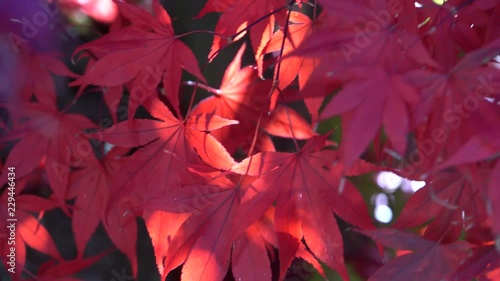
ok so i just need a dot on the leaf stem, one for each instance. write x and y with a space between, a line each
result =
285 34
203 31
252 147
202 86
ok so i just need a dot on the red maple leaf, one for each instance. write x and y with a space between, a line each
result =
90 184
483 263
372 40
300 27
173 135
46 134
378 99
221 209
215 6
450 201
244 97
301 182
411 78
145 52
34 76
168 146
426 261
238 16
27 229
62 271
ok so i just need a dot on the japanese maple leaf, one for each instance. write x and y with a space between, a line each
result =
446 34
482 263
244 97
380 99
350 11
291 66
34 76
112 97
186 138
168 145
46 134
309 191
343 47
240 15
29 230
427 260
215 6
250 248
468 79
450 202
62 271
162 227
300 27
474 150
481 149
221 208
148 52
359 45
90 184
348 45
448 137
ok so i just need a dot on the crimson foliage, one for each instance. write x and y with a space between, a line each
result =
415 85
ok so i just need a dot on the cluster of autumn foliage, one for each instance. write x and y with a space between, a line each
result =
416 86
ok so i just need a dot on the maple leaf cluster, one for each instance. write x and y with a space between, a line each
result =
416 87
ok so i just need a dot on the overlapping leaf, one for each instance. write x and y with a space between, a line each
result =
146 52
427 261
450 201
221 211
244 97
46 134
303 181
